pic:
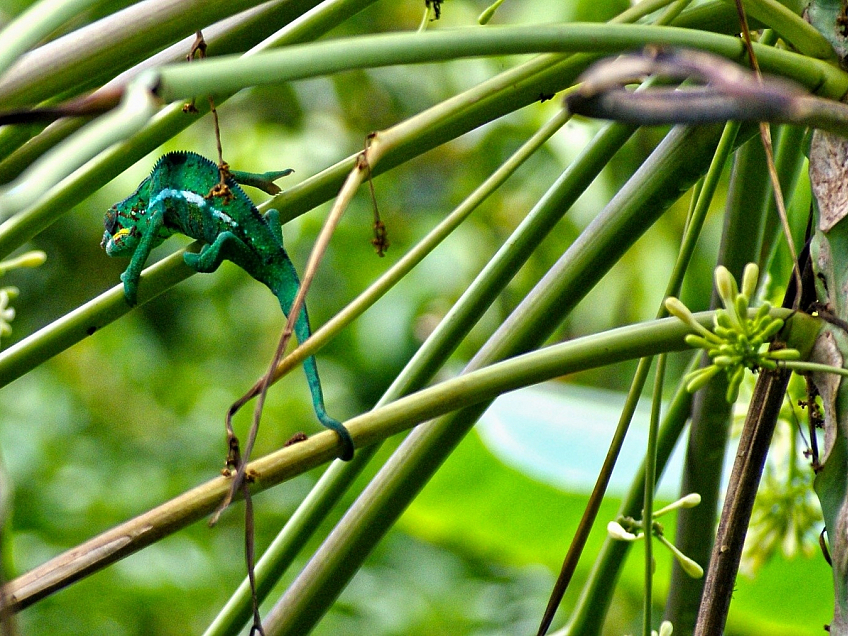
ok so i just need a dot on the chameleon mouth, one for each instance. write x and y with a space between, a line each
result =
111 241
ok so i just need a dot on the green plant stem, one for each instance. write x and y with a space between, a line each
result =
91 55
812 367
789 164
37 22
227 74
369 428
650 485
790 26
672 11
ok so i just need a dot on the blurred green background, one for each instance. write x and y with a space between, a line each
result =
133 415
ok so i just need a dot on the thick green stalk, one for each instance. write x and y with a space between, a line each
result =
93 54
369 428
226 74
650 485
790 26
36 23
673 167
226 37
789 163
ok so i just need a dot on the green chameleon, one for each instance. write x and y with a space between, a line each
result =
173 200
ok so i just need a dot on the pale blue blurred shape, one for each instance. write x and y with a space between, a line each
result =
559 434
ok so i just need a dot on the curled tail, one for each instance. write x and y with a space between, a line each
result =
286 290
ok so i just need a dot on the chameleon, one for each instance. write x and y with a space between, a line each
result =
174 199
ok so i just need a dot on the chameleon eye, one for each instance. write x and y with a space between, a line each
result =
111 220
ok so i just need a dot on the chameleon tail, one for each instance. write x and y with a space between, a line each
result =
285 294
311 369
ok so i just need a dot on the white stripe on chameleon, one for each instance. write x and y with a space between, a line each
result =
226 218
186 195
194 198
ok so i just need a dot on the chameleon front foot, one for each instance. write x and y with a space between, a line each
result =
130 289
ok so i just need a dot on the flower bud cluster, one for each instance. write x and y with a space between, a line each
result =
736 342
7 294
629 529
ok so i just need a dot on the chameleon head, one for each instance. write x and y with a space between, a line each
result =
118 239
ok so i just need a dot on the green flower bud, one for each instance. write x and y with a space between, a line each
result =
741 307
681 312
28 259
689 501
785 354
725 285
734 381
700 377
772 328
763 311
688 565
725 333
749 279
616 531
699 342
489 12
725 361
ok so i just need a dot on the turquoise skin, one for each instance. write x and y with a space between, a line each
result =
173 200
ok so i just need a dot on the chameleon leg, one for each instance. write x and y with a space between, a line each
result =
272 220
148 241
227 246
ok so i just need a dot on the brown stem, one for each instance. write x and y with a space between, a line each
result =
744 480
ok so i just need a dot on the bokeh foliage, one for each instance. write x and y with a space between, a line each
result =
134 414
